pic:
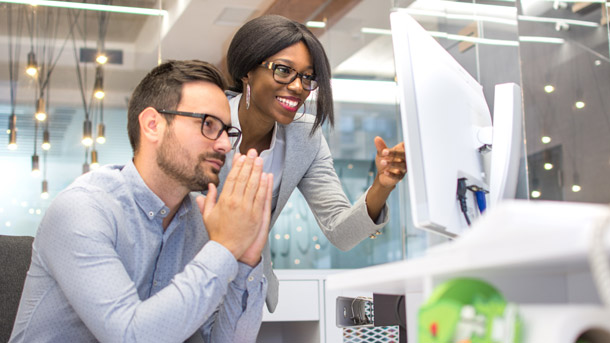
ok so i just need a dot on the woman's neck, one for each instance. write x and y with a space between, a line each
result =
256 128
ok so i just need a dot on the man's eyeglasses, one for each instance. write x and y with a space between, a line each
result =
286 75
211 126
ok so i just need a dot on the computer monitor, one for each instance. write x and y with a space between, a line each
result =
447 128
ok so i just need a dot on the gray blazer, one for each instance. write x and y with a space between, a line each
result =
309 166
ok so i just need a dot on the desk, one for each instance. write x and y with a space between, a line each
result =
534 253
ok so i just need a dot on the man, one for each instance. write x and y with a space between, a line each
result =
127 254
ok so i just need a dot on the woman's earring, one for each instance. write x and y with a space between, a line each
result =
248 96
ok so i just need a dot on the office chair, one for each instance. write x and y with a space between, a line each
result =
15 257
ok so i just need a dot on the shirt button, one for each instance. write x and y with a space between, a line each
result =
163 211
155 283
151 213
251 278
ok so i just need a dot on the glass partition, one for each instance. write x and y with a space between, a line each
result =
557 51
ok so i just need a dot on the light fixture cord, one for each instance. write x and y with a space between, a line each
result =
13 66
53 63
79 76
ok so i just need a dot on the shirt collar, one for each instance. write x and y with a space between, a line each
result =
147 200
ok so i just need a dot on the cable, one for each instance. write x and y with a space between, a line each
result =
600 268
461 197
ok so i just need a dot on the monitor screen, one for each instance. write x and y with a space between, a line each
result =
445 122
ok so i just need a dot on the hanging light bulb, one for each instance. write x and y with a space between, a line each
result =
46 142
101 133
32 68
576 183
41 113
87 139
35 166
98 88
101 58
12 132
45 190
94 163
536 192
547 160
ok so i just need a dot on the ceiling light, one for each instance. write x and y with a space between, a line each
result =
94 163
374 31
87 140
576 183
576 188
101 59
549 88
546 139
45 190
12 132
32 67
101 133
46 142
35 166
538 39
316 24
91 7
41 114
98 88
536 194
579 104
559 21
548 166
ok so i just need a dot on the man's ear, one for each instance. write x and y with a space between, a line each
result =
152 125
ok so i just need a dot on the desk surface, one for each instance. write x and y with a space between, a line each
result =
516 238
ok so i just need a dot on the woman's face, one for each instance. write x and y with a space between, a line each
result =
280 102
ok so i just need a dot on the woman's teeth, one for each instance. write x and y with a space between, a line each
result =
287 102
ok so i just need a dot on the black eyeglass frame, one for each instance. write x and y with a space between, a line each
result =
203 116
273 66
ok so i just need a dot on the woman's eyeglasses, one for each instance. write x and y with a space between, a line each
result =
286 75
211 126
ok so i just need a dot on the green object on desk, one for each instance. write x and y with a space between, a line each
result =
465 310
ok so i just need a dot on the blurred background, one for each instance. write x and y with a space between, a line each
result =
56 125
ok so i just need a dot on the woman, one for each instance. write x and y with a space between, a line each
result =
274 64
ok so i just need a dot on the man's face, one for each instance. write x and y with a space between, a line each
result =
184 154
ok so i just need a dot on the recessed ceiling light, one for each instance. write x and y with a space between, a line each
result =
549 88
546 139
580 104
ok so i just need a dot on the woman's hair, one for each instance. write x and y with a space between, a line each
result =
162 89
267 35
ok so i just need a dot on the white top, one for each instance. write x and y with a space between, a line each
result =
273 158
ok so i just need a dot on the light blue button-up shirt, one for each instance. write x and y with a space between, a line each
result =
103 269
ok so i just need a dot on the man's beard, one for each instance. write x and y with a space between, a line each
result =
191 175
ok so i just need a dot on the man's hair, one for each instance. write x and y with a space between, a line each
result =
162 89
267 35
